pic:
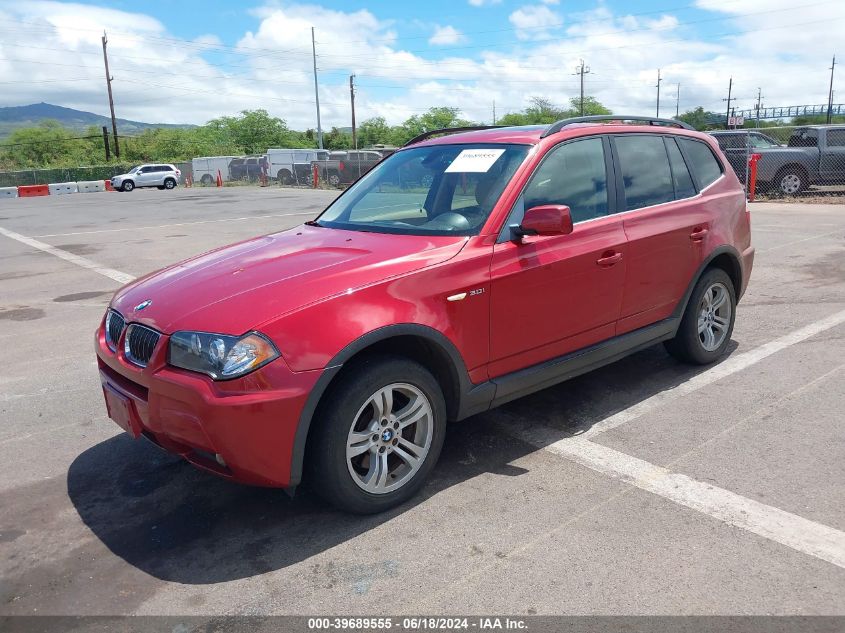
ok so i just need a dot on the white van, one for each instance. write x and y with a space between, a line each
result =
205 168
282 161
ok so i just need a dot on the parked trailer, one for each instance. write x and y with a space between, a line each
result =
205 168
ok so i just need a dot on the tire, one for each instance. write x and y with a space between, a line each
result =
791 180
351 422
334 179
694 345
206 179
169 184
127 185
284 177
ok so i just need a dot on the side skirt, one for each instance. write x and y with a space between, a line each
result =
526 381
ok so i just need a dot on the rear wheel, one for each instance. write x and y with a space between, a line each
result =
708 321
169 183
206 179
127 185
791 180
334 180
284 177
374 446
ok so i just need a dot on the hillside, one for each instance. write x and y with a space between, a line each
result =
14 117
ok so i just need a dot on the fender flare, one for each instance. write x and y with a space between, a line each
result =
720 250
470 397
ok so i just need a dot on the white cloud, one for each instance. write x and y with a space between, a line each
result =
54 54
445 35
550 2
534 22
481 3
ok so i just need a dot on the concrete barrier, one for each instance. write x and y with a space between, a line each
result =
90 186
29 191
8 192
60 188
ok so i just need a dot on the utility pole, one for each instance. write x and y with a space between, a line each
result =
111 100
759 105
728 111
106 142
830 92
352 98
494 112
658 92
582 70
316 91
678 101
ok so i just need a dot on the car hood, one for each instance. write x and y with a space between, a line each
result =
236 288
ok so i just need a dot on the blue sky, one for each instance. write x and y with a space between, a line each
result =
190 61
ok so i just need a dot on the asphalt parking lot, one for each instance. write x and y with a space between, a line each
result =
646 487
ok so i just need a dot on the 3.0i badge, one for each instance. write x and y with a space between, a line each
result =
143 305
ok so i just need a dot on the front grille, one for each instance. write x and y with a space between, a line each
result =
114 328
139 344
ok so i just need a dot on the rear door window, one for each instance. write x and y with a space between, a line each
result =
646 176
684 187
704 166
836 138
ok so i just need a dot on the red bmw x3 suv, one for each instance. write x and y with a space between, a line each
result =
463 271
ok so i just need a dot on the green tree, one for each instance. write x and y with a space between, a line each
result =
702 119
337 139
591 106
254 131
373 131
50 144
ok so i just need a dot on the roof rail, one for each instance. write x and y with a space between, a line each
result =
449 130
559 125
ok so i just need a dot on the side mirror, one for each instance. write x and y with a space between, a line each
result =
547 219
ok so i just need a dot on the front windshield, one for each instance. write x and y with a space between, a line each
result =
134 169
434 190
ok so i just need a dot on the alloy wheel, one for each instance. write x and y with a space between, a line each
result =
389 438
790 183
714 316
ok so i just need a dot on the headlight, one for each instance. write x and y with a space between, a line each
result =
220 356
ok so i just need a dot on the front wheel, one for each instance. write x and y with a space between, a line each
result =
375 444
128 185
708 321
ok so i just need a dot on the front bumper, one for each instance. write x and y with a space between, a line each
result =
242 429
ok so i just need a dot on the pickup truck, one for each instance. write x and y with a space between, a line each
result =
813 155
343 168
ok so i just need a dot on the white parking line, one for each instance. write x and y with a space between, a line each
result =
164 226
78 260
726 368
803 535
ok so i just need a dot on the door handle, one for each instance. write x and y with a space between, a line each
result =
698 234
609 259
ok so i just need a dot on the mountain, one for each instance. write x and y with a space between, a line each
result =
14 117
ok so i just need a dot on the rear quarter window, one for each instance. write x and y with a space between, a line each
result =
703 164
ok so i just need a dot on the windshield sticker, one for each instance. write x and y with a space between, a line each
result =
476 161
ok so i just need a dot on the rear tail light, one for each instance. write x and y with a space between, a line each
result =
341 166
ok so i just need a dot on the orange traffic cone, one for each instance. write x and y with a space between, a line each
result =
219 179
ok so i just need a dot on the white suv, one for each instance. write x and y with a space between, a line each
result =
163 176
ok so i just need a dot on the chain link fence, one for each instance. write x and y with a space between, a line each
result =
805 161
